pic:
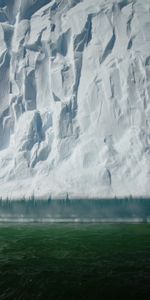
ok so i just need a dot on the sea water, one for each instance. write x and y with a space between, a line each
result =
74 261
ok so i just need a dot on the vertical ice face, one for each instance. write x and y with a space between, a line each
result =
74 97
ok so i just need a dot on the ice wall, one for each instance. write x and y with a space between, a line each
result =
74 98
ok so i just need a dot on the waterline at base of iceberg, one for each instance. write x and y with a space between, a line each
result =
126 210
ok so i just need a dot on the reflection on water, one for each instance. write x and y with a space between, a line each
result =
107 210
78 261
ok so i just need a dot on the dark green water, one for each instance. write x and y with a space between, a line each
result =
75 261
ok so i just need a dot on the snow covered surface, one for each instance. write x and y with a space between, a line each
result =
74 98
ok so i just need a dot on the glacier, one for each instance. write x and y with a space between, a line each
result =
74 98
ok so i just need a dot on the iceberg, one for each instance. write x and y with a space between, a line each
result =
74 98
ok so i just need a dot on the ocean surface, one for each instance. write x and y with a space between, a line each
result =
74 261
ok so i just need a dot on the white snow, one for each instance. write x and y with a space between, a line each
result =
74 98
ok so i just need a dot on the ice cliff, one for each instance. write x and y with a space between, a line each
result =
74 98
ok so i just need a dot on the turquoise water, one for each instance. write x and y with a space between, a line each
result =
75 261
